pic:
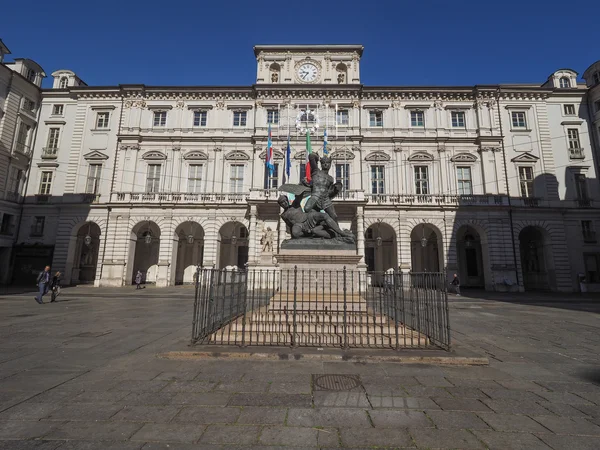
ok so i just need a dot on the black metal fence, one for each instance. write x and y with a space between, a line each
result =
321 308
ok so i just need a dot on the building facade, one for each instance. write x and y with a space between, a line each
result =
20 98
486 181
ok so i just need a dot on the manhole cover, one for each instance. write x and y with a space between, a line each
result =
335 382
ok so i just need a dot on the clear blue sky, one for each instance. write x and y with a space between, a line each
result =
460 42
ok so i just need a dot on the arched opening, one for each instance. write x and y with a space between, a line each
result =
426 249
144 248
341 73
565 83
536 259
275 73
380 250
87 246
472 257
64 83
233 246
188 252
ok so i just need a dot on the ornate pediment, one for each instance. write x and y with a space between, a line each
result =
301 155
525 158
95 155
237 155
276 154
377 156
342 154
464 158
195 154
420 156
154 154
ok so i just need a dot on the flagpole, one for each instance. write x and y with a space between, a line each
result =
336 120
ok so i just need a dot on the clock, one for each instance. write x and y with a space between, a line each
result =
307 72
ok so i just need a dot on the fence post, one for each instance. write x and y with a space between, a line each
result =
196 307
345 319
294 341
395 300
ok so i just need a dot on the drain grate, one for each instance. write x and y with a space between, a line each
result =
333 382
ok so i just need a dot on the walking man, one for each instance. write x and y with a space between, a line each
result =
55 286
43 282
456 284
138 279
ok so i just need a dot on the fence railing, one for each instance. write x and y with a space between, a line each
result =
321 308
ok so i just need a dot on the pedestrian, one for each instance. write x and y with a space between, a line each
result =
55 286
456 284
43 282
138 279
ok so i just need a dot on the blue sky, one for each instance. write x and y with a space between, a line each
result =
460 42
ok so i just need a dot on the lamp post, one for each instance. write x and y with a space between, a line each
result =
87 240
424 240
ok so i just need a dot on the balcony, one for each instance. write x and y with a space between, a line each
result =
531 202
23 149
576 153
437 200
13 197
49 152
42 198
584 203
589 237
180 197
356 195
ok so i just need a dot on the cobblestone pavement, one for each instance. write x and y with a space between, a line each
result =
82 373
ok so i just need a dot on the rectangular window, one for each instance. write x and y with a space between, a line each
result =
195 178
37 227
153 178
53 135
591 267
7 225
596 78
581 186
458 119
236 178
573 135
29 105
465 184
569 110
160 118
200 118
422 180
30 75
587 229
377 180
518 119
417 119
302 171
375 119
597 105
342 117
93 179
57 110
273 116
342 175
271 182
239 118
23 138
14 186
102 119
46 183
526 181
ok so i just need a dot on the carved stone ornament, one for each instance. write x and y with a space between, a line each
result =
154 155
259 103
356 103
396 104
438 104
464 158
135 103
525 158
276 155
342 155
492 103
179 104
377 156
220 104
237 155
195 154
421 156
95 155
479 102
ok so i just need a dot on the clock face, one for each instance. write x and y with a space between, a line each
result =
307 72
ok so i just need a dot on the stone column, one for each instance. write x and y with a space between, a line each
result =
360 231
252 254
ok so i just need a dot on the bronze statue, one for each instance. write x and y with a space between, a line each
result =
324 188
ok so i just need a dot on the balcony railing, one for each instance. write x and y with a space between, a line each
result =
179 197
273 194
576 153
22 148
437 200
584 202
14 197
531 202
49 152
42 198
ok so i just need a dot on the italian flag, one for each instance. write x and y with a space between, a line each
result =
308 152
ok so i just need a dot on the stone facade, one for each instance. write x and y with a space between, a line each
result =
485 181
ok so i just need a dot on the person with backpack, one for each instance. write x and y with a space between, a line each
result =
55 286
456 283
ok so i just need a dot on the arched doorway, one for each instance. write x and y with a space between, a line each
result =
470 255
534 259
144 247
233 245
188 252
380 250
87 247
426 249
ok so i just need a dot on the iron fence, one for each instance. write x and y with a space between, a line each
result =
321 308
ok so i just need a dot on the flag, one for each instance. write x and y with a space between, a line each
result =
269 158
325 150
288 160
308 152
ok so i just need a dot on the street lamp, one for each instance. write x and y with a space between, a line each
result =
87 240
424 240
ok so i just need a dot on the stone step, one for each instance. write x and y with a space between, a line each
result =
318 306
259 327
322 318
329 339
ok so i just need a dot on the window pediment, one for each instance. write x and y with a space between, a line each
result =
464 157
237 156
154 155
377 156
342 155
525 158
421 156
159 108
95 155
276 154
301 155
195 155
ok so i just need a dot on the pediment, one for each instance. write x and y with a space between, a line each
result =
95 155
276 154
195 154
421 156
464 157
301 155
377 156
343 155
154 155
237 156
525 158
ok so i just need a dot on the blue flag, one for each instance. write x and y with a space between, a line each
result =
269 158
325 151
288 160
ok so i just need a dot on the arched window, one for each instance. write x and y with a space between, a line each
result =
275 72
565 83
64 83
342 73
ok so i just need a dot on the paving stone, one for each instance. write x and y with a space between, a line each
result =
327 417
375 437
508 394
340 399
511 441
100 445
99 396
29 411
30 445
564 398
570 442
201 399
457 420
289 388
522 385
177 375
169 432
17 429
511 422
104 431
399 419
270 400
385 390
515 407
85 412
431 439
560 409
188 386
474 383
147 413
140 385
562 386
147 398
433 381
457 404
402 403
564 425
206 414
262 415
427 391
55 396
591 410
255 387
288 436
182 446
465 392
231 434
